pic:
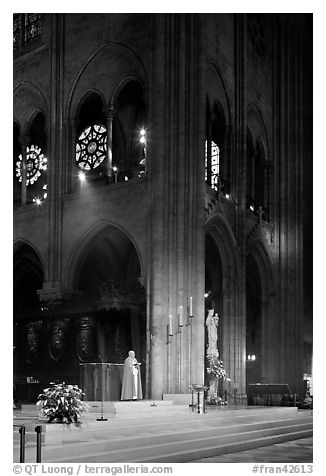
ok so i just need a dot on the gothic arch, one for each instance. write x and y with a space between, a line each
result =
131 66
86 243
267 367
121 84
225 241
19 243
232 313
29 100
216 90
85 96
28 277
259 251
257 127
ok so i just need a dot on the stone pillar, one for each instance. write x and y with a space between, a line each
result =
239 172
24 140
208 143
109 114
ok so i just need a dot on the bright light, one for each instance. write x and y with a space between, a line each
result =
45 195
142 134
115 169
253 357
227 195
126 178
252 208
37 200
82 176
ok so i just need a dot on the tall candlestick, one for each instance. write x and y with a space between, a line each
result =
170 326
190 306
180 316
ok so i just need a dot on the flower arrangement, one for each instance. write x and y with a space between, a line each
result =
216 369
62 402
216 400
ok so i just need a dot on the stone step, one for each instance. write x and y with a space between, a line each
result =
137 406
168 447
110 440
186 456
182 416
151 440
140 407
136 423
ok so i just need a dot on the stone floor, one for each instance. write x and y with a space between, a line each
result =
297 451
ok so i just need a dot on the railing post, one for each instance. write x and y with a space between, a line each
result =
22 430
38 430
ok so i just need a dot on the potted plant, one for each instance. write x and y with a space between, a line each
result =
216 373
62 403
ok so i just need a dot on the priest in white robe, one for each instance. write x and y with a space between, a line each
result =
131 384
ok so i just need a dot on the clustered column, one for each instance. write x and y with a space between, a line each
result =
109 114
24 140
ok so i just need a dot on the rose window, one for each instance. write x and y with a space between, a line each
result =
35 164
91 147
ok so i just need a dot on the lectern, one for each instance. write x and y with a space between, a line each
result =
94 375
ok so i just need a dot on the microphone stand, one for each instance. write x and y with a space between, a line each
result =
102 419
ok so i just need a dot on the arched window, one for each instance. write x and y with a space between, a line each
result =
111 141
214 147
130 132
258 177
26 28
31 162
91 138
212 164
91 147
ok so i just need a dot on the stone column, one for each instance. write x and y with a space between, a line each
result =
109 114
24 140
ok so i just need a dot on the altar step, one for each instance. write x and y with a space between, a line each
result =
111 409
175 438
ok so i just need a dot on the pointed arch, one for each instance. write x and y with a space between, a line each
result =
29 100
86 242
232 322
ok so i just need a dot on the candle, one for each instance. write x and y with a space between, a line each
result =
190 306
180 317
170 325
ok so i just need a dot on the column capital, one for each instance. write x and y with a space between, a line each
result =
109 112
24 140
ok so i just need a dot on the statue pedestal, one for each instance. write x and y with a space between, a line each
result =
213 388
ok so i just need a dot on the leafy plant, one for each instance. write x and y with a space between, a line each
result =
62 402
216 369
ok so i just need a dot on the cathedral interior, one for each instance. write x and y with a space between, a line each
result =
162 167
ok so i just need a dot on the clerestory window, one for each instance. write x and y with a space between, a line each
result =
36 163
26 28
212 164
91 147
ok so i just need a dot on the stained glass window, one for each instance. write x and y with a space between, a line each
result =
32 26
17 30
36 163
27 27
212 169
91 147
